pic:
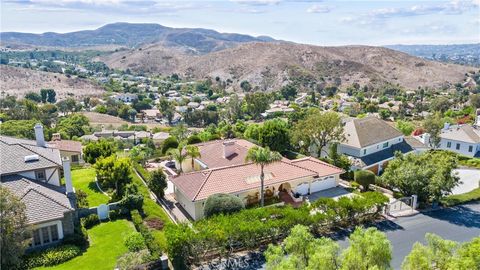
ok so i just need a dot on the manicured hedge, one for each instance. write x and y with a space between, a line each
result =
248 229
364 178
152 245
222 204
51 256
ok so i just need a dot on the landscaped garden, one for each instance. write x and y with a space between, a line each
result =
106 244
84 180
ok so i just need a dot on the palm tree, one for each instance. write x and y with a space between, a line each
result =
262 156
178 155
193 152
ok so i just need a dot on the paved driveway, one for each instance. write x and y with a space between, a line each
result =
460 223
333 193
470 180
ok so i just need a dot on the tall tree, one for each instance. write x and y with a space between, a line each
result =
318 129
274 134
114 172
257 103
369 249
433 125
158 183
178 155
193 152
262 157
428 175
14 231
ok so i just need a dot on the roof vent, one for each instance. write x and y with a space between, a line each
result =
31 158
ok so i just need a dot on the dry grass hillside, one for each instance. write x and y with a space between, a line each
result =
270 65
18 81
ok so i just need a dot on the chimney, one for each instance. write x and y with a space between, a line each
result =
228 148
39 137
446 126
56 137
426 139
67 175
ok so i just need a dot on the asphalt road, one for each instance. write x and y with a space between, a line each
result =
460 224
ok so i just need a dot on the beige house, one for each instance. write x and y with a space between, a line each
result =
222 169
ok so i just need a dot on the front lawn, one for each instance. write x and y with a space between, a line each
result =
106 245
452 200
84 179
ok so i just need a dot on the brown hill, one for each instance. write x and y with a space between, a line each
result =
19 81
270 65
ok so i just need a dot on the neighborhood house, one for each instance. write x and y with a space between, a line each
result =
222 169
32 170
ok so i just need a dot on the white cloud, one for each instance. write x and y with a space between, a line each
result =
319 9
257 2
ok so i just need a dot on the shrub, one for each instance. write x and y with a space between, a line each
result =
134 242
90 221
157 183
194 139
51 256
131 260
364 178
170 142
222 204
152 245
78 238
132 201
355 185
81 199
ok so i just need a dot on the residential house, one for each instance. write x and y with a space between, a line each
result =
151 114
222 169
32 173
370 143
68 148
125 97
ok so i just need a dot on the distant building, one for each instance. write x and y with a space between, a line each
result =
125 97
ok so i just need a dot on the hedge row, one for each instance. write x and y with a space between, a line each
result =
152 245
51 256
248 229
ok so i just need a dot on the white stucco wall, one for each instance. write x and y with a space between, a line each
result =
53 172
463 147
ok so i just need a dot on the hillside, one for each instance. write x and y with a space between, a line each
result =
192 40
270 65
464 54
18 81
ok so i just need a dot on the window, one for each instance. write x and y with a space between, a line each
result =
45 235
54 232
385 145
470 148
40 175
36 238
458 146
364 151
449 144
75 158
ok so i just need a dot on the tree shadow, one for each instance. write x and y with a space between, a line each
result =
461 215
93 187
384 226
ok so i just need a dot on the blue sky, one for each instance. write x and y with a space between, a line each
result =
327 22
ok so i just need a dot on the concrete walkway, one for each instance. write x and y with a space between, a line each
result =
470 179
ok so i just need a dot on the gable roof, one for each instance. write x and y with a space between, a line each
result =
44 202
200 185
463 133
387 153
12 158
362 132
66 145
212 153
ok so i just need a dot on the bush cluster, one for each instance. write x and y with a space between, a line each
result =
51 256
250 228
134 242
364 178
222 204
89 221
152 245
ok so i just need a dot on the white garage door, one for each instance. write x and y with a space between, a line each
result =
322 184
302 189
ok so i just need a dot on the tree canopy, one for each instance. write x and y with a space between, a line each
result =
222 204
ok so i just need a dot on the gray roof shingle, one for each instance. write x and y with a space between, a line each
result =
44 202
362 132
12 158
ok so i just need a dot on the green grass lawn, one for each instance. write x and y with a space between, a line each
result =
452 200
106 245
84 179
152 209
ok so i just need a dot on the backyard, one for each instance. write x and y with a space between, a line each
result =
84 179
106 245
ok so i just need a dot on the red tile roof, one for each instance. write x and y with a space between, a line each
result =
318 166
212 153
200 185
